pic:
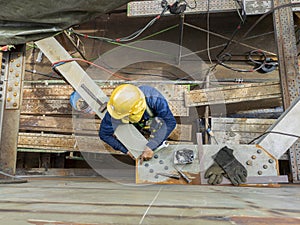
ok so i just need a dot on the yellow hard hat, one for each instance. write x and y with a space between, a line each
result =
127 101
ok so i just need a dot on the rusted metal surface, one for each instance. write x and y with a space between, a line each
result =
14 73
56 124
238 130
54 99
233 94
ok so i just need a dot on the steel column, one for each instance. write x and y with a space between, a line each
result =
288 68
12 72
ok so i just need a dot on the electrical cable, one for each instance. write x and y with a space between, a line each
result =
127 38
266 14
273 132
227 56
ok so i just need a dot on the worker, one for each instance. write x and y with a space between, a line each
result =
145 108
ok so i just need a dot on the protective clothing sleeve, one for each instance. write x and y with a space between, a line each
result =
234 170
106 133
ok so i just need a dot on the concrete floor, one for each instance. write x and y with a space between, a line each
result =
87 201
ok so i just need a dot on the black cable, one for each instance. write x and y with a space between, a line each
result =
231 39
128 38
266 14
257 64
273 132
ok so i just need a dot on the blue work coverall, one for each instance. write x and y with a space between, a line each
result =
158 106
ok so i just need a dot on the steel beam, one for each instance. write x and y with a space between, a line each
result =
288 68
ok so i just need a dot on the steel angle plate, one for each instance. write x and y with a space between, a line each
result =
129 136
257 161
162 164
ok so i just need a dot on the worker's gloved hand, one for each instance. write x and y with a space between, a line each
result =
214 174
146 155
234 170
155 125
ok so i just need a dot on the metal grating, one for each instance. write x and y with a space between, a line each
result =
252 7
149 8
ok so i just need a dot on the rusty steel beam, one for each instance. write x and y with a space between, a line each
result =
14 65
233 94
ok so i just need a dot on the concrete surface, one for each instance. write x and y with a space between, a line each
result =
95 201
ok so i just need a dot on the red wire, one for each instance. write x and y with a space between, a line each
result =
93 64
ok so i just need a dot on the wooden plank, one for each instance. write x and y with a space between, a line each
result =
233 94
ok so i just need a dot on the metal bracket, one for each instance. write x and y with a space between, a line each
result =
14 80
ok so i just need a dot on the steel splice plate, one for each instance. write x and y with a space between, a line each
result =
162 164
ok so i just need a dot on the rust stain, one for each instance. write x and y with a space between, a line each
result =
244 220
195 177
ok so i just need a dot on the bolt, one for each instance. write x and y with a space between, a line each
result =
12 60
11 70
166 167
16 83
8 99
258 151
9 88
15 94
15 105
161 161
17 75
265 166
271 160
156 176
155 156
253 157
151 170
146 164
249 162
18 65
259 172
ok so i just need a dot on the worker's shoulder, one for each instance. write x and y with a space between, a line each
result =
150 91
